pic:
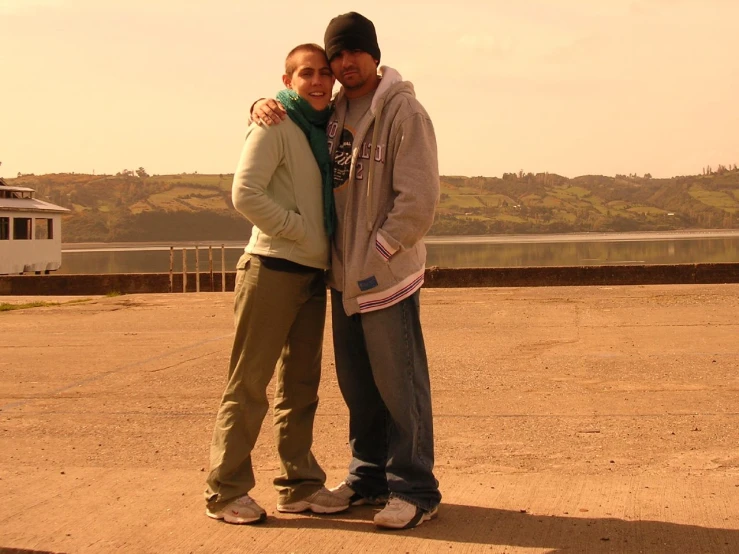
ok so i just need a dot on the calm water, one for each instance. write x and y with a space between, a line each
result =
495 251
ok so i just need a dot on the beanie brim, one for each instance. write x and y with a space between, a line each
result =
350 42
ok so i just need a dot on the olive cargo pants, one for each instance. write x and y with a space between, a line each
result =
279 320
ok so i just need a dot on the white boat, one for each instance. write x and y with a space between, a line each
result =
30 232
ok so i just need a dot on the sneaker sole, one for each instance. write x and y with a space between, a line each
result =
298 507
237 520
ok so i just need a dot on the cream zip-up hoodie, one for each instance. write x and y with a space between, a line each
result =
387 204
277 186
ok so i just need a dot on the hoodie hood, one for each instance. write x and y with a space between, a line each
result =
391 83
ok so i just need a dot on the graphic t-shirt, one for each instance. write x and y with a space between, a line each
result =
342 160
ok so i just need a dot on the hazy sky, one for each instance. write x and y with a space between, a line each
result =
572 87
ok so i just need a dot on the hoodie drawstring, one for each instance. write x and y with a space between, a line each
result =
371 174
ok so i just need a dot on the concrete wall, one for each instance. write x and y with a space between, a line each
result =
131 283
583 275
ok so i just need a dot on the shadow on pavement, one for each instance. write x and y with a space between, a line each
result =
4 550
561 533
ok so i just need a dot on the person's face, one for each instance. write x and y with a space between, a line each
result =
312 78
356 70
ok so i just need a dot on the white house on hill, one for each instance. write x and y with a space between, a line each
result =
30 232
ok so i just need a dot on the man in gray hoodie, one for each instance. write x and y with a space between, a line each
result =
386 188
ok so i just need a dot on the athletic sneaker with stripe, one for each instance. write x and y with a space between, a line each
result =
323 501
241 510
399 514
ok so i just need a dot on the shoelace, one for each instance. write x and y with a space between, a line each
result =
394 504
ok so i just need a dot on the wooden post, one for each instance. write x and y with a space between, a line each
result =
210 267
223 268
197 268
184 269
171 269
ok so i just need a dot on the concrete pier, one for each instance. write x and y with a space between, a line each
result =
595 419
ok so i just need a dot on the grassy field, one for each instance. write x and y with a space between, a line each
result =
198 206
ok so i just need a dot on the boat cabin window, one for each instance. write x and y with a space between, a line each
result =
44 229
4 228
16 194
22 228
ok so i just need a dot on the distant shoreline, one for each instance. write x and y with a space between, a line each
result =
455 239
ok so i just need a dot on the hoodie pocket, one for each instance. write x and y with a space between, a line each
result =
382 251
375 273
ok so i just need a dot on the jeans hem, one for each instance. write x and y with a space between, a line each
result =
356 486
425 506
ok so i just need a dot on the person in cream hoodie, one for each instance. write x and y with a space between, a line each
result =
283 186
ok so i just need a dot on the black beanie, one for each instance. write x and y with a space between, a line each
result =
351 31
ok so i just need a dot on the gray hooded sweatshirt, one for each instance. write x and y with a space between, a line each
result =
387 203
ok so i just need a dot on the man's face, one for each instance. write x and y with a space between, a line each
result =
356 70
312 78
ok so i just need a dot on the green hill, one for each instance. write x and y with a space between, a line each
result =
130 207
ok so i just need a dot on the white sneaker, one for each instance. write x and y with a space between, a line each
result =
399 514
323 501
241 510
354 498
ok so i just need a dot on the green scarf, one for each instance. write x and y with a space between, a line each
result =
313 124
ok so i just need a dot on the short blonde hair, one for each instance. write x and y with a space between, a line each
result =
290 66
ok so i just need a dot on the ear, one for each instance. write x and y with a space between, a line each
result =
286 80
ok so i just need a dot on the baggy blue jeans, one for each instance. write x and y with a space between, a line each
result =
383 375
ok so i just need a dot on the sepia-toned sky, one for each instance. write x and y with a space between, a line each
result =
572 87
